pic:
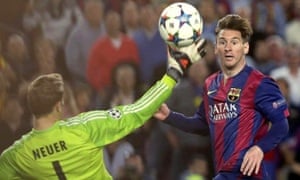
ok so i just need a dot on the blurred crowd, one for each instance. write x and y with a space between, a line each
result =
109 52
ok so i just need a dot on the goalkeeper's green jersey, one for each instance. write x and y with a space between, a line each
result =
73 148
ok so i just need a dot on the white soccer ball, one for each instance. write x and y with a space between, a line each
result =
180 24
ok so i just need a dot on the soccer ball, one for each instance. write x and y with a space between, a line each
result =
180 24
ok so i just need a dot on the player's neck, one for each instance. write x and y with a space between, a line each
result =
45 122
228 73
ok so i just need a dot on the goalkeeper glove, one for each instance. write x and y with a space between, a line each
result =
179 60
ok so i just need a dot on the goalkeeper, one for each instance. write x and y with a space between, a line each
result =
73 148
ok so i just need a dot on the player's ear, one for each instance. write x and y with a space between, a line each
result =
246 47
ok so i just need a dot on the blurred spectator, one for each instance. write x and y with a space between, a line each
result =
268 16
44 53
115 156
126 86
242 7
261 56
224 7
151 48
83 94
284 87
81 39
57 21
211 58
197 168
288 6
276 46
6 72
140 140
108 51
290 149
18 57
130 17
157 153
11 122
48 56
4 84
291 72
32 19
133 169
114 5
293 26
210 15
70 107
11 13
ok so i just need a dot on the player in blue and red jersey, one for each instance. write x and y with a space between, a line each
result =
243 110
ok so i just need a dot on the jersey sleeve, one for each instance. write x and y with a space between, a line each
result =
273 106
6 168
195 124
104 127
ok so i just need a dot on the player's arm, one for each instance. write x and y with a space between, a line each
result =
196 124
109 126
273 106
270 102
119 121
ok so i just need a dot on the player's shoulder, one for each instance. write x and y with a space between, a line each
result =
256 77
18 144
262 81
255 72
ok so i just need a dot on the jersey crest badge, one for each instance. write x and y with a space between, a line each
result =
233 94
115 113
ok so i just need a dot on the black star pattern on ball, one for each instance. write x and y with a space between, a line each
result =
183 18
163 21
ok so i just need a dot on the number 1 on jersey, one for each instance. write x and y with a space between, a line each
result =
58 170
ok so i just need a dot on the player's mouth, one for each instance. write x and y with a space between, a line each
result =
229 57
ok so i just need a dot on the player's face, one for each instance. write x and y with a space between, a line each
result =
231 49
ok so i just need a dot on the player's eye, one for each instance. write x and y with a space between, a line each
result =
234 42
222 42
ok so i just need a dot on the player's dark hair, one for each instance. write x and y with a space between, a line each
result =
235 22
44 92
